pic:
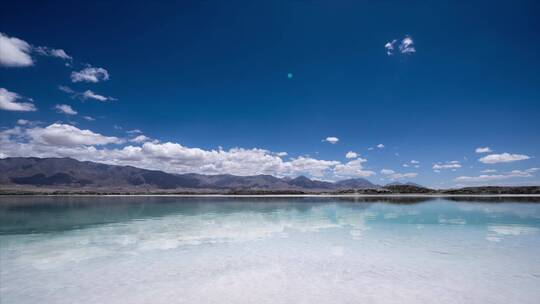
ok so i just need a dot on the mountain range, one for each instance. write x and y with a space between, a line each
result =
71 173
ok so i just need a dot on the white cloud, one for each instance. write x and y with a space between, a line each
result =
447 165
67 135
351 154
483 150
387 171
62 140
502 158
489 171
331 139
22 122
282 154
395 175
406 46
496 177
380 146
66 89
310 166
89 118
65 109
412 163
389 46
89 94
90 74
140 139
14 52
404 175
8 102
47 51
134 131
353 168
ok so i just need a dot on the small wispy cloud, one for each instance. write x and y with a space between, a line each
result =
331 139
404 46
396 175
454 164
65 109
497 177
483 150
57 53
88 94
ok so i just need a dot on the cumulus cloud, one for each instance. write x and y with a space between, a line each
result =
331 139
497 177
62 140
89 118
447 165
395 175
502 158
380 146
67 136
405 46
9 102
351 155
483 150
65 109
90 74
353 168
14 52
22 122
140 139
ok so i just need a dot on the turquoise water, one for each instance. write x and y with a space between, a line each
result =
268 250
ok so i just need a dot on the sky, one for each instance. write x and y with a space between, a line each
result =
438 93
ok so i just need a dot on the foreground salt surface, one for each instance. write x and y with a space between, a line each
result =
275 251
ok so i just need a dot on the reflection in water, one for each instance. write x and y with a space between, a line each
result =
275 250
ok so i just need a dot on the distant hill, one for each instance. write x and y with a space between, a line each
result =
71 173
355 183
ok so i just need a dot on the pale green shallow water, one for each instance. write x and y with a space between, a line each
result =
264 250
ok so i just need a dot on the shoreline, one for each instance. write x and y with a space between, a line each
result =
274 195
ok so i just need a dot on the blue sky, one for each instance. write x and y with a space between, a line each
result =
209 86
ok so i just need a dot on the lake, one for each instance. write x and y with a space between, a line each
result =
269 250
